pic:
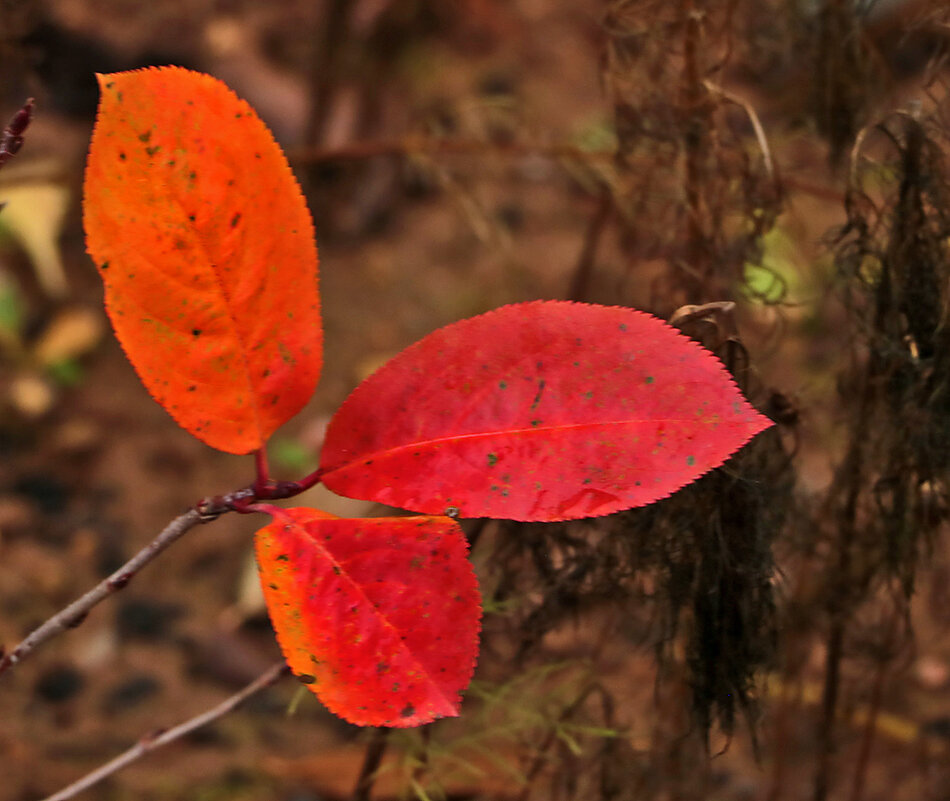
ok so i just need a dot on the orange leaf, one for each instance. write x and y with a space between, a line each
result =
206 248
379 617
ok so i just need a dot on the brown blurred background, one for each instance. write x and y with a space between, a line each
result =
459 155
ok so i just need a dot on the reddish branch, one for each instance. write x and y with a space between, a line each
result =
12 138
76 612
209 509
157 739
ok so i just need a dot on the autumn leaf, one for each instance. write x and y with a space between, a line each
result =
538 411
379 617
206 249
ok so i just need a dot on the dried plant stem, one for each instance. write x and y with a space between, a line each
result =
877 698
449 147
755 122
371 762
694 104
76 612
580 281
839 600
427 146
156 740
326 67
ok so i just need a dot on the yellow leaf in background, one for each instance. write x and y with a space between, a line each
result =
31 395
72 333
33 215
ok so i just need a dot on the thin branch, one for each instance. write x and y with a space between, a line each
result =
372 759
446 147
159 738
76 612
428 146
205 511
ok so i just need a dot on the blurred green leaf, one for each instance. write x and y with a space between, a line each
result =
66 373
289 454
11 309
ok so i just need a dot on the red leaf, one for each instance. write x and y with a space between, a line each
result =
379 617
206 249
538 411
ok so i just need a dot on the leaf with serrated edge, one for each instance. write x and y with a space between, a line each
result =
538 411
206 249
378 617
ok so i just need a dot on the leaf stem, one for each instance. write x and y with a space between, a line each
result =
76 612
157 739
263 470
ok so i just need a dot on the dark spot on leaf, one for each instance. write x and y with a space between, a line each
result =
122 155
407 711
307 678
196 332
236 219
537 398
492 459
152 150
144 137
